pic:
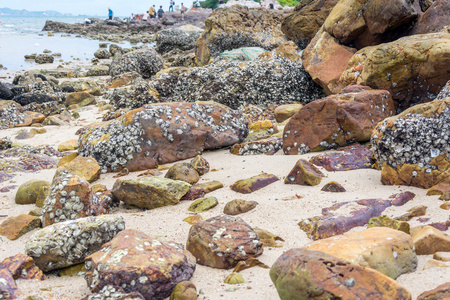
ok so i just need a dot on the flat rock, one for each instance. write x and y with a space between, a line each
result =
386 250
184 172
247 186
441 292
305 274
285 111
333 187
238 206
85 167
203 204
416 211
352 157
221 242
433 263
385 221
439 189
269 146
145 265
29 191
68 145
15 227
304 173
429 240
68 243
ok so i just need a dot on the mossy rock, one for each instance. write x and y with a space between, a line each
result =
29 191
203 204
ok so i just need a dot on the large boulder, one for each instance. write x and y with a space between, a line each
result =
183 38
68 243
306 19
412 147
12 114
427 61
337 120
435 18
44 59
138 263
306 274
221 242
161 133
386 250
239 26
145 61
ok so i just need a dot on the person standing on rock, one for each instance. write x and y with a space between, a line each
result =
172 3
183 10
160 12
151 11
110 13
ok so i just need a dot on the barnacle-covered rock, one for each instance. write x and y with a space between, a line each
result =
102 53
413 147
161 133
265 146
112 292
445 92
221 242
225 30
137 263
183 38
263 81
427 57
150 192
67 243
124 79
79 99
306 274
44 59
145 61
86 85
12 114
337 120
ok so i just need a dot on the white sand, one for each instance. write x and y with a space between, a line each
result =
273 214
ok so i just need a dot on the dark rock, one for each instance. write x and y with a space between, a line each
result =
435 18
352 157
333 187
32 97
5 92
177 38
247 186
102 53
441 292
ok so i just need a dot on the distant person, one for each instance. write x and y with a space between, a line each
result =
220 2
160 12
271 6
183 10
154 9
145 17
110 13
197 4
87 22
172 3
151 11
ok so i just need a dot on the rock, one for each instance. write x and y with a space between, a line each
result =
408 86
183 38
145 61
85 167
223 31
150 192
15 227
184 172
24 135
429 240
99 70
5 143
79 99
435 18
151 136
445 205
203 204
337 120
285 111
416 211
5 91
68 158
400 199
439 189
124 79
37 212
442 256
386 250
184 290
117 293
75 270
432 263
200 164
333 187
268 239
304 173
445 196
352 157
325 59
44 59
304 22
234 278
412 146
385 221
221 242
252 184
69 145
29 191
12 115
238 206
194 219
200 190
102 53
261 130
304 274
68 243
135 256
439 293
267 146
445 92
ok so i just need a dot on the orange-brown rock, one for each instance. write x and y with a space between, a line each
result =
85 167
386 250
15 227
429 240
123 79
68 145
221 242
304 173
325 59
139 263
435 18
441 292
79 99
306 274
337 120
285 111
200 164
433 263
13 115
439 189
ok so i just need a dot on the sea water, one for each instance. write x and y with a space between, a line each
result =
23 35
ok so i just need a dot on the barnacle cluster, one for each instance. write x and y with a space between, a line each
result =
175 38
145 61
11 115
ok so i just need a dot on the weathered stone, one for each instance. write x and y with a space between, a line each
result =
238 206
184 172
429 240
24 135
445 205
432 263
98 70
337 120
386 250
145 61
268 146
304 173
285 111
261 129
184 290
37 212
305 274
102 53
191 220
144 265
445 196
29 191
88 85
123 79
200 164
12 114
416 211
385 221
402 198
267 238
85 167
220 242
234 278
44 59
442 256
67 158
412 146
75 270
439 189
15 227
441 292
68 145
79 99
150 192
348 158
247 186
114 292
183 38
435 18
333 187
203 204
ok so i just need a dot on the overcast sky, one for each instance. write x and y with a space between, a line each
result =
88 7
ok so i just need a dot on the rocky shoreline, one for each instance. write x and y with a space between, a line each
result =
245 152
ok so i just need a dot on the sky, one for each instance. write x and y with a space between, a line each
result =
88 7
